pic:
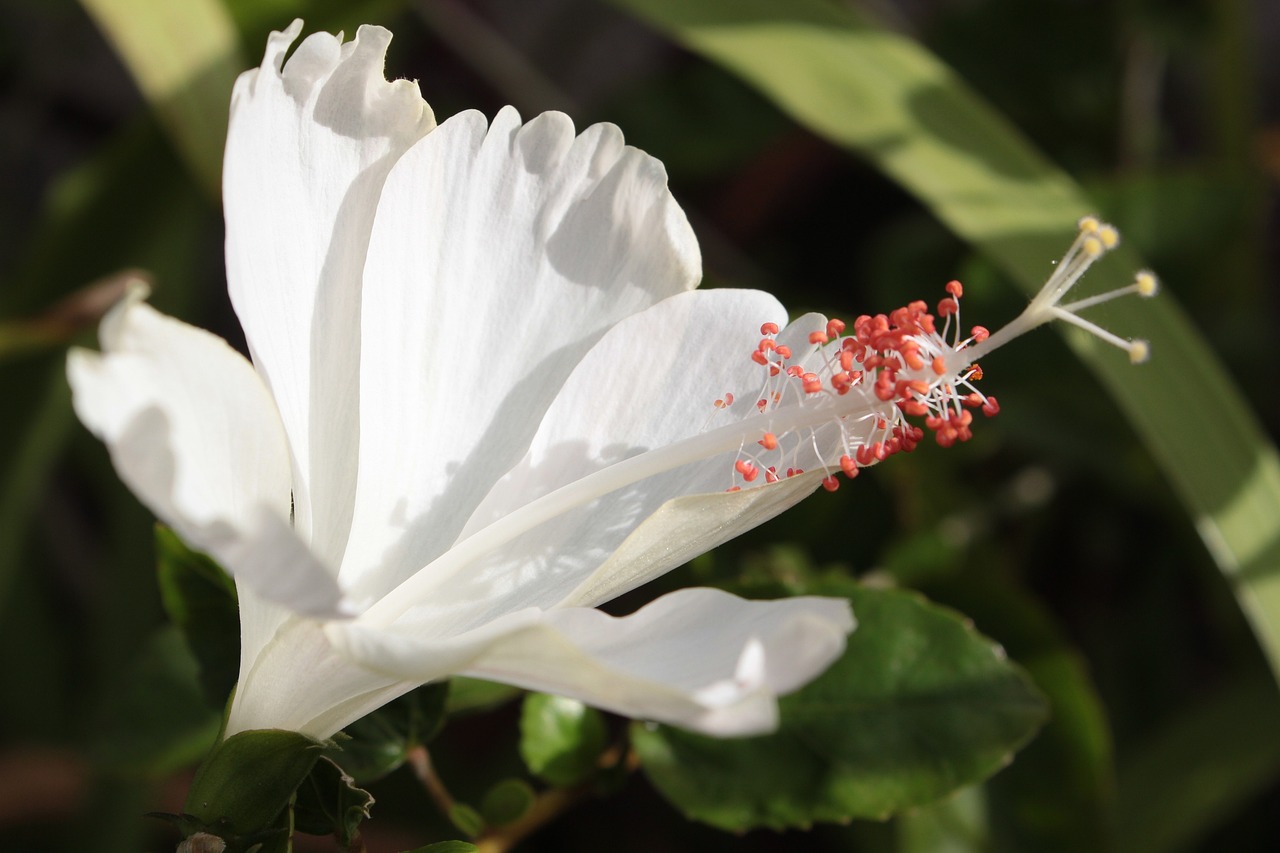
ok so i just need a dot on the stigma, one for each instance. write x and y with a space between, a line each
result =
855 394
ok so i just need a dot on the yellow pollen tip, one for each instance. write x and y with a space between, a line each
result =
1089 225
1146 284
1092 246
1109 236
1139 351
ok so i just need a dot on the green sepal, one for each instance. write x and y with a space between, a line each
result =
918 706
560 739
247 781
330 803
200 598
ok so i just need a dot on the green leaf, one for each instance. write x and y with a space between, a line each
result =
881 95
469 695
200 599
248 779
1197 770
447 847
378 743
155 720
918 706
329 803
560 739
467 819
185 58
507 802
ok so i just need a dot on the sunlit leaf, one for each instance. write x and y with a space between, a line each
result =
919 706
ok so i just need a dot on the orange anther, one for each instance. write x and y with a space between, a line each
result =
812 384
771 476
766 344
834 327
818 337
979 333
759 358
940 366
769 329
947 307
830 483
748 471
769 442
991 407
784 351
734 489
955 288
848 466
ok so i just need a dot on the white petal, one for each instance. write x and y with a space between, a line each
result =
633 404
498 258
309 145
193 432
701 659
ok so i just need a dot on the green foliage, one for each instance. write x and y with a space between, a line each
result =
329 803
447 847
200 599
506 802
155 721
560 739
377 744
918 705
247 781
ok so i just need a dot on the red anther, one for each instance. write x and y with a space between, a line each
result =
728 398
934 423
846 360
812 383
818 338
913 359
863 455
955 288
975 373
774 370
830 483
991 407
884 392
795 371
881 423
724 402
835 327
766 344
879 452
940 366
919 386
771 475
769 329
914 408
972 400
979 333
769 442
734 489
848 466
947 307
759 357
748 471
794 472
784 351
965 418
761 404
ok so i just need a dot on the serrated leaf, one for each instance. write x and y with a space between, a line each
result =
918 706
248 779
200 599
378 743
330 803
560 739
506 802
